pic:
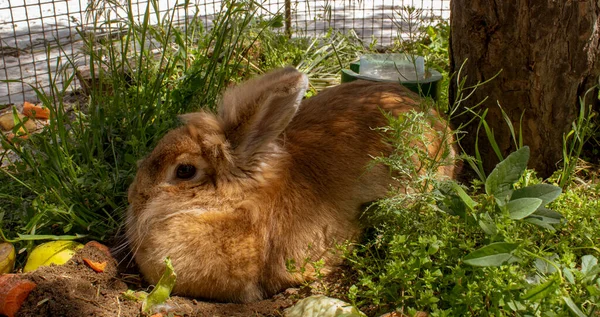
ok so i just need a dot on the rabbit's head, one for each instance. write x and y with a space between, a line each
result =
192 198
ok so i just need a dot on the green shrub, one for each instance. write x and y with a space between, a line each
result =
495 252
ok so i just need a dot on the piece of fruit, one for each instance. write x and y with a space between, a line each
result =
53 252
13 292
96 266
7 257
34 111
7 122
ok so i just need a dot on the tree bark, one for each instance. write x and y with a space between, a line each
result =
548 53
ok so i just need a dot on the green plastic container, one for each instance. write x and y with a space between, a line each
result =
428 86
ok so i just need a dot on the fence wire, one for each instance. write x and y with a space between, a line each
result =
40 39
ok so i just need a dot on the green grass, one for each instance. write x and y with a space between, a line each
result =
72 177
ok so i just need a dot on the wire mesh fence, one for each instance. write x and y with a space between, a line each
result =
40 40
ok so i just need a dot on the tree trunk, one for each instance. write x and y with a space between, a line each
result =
548 53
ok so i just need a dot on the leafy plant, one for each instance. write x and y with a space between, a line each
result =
499 252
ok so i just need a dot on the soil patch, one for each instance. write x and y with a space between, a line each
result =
74 289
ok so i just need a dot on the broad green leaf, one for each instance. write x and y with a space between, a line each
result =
568 275
487 224
453 205
163 288
450 203
545 192
547 215
464 196
543 266
587 262
540 291
516 305
495 254
501 202
500 181
573 306
540 222
522 207
544 217
593 290
591 274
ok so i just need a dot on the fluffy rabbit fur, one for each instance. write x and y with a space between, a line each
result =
232 197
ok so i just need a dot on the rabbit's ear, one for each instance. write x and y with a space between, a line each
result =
256 112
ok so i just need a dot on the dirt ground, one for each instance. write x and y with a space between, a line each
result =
74 289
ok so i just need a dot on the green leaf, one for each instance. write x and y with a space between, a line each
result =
495 254
550 216
540 291
134 295
543 266
541 223
500 181
522 207
464 196
453 205
487 224
573 306
490 134
545 192
568 275
163 288
34 237
587 263
545 218
276 21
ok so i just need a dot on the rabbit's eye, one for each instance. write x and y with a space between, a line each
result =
186 171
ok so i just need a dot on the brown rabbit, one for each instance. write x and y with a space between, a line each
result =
270 180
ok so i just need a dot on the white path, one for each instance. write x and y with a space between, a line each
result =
29 27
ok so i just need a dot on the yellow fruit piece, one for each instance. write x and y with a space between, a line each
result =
7 257
7 122
53 252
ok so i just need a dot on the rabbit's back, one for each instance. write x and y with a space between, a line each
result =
334 137
327 174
